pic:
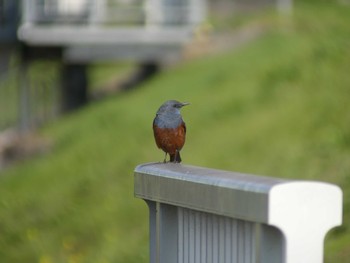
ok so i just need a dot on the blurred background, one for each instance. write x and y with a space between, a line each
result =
80 82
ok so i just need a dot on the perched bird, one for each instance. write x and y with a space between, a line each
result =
170 130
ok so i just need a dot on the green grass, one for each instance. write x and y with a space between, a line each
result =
277 106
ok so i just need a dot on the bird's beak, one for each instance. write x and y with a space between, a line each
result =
185 104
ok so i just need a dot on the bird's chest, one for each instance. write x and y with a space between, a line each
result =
169 135
168 121
171 139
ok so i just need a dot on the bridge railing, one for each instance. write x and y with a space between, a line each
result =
206 215
105 30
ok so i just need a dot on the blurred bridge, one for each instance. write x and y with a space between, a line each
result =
90 30
80 32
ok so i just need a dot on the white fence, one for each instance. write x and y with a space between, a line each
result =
205 215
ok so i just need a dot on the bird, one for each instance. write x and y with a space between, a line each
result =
169 129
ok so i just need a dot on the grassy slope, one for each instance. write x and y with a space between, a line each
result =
278 106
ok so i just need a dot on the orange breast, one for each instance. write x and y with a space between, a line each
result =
170 140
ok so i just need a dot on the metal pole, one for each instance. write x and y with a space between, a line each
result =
24 98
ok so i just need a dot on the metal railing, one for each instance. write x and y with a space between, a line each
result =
206 215
113 12
28 97
90 30
9 98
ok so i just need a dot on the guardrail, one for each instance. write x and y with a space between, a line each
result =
206 215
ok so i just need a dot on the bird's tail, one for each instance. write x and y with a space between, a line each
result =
175 158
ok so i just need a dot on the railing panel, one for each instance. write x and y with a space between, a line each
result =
206 215
205 237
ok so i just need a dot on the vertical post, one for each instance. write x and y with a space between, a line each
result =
271 244
197 11
161 13
163 233
97 12
154 16
74 86
304 212
152 230
29 11
24 98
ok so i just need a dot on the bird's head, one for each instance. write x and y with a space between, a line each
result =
171 106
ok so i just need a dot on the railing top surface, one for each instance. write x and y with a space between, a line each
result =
74 35
202 175
244 196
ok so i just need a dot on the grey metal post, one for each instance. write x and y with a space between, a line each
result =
271 244
152 230
24 98
29 8
97 12
74 87
163 233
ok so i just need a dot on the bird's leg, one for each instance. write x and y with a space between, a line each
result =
165 157
177 157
